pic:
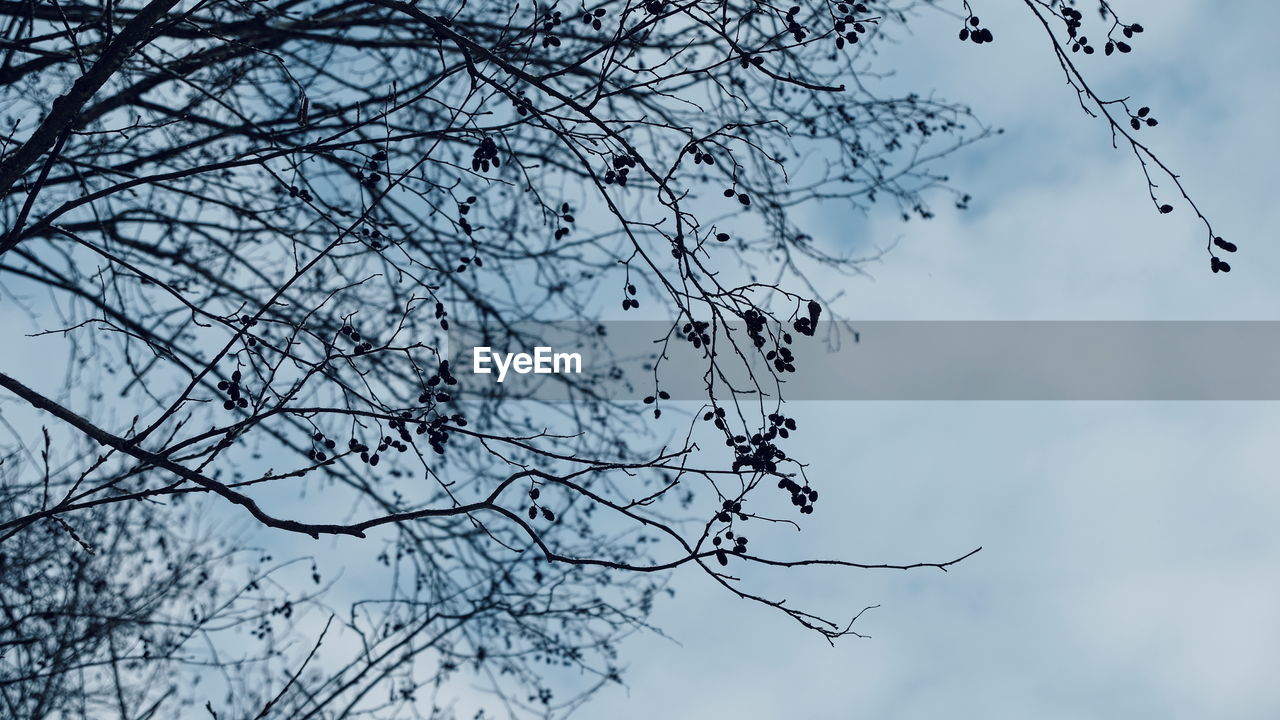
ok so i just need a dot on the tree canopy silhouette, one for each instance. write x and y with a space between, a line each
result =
255 222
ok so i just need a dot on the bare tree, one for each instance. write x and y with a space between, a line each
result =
256 221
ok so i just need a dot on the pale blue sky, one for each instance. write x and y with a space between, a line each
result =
1131 566
1132 563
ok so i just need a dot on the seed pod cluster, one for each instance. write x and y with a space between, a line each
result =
974 32
696 333
362 345
485 156
802 496
847 26
535 509
235 394
621 166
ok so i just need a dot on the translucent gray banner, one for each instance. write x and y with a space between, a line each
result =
879 360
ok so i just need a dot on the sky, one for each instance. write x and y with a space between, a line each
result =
1130 556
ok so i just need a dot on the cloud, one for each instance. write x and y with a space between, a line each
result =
1128 569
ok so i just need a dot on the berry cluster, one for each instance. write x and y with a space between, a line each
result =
781 425
592 18
1074 20
793 25
756 452
809 325
371 458
1113 45
373 165
358 447
1216 263
802 497
259 632
755 326
630 302
523 105
235 398
974 32
434 381
1140 118
699 156
535 508
437 432
847 27
727 510
782 359
566 215
322 444
374 237
550 22
742 197
302 194
739 541
442 315
248 321
400 444
362 346
1129 31
696 333
650 399
778 426
622 164
1082 43
464 207
485 156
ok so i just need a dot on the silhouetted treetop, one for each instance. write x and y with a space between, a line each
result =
249 227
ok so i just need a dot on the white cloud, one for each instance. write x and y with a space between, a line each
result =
1130 548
